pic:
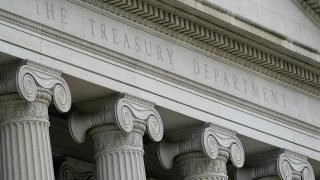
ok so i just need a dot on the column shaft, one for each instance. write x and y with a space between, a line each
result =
117 124
121 165
25 151
119 155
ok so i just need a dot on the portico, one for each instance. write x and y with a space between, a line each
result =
142 89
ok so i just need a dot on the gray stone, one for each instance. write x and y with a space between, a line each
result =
117 125
278 164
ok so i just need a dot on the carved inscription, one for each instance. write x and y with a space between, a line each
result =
234 82
117 34
107 33
121 38
149 48
51 11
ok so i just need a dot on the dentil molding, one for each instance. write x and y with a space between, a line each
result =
117 11
210 40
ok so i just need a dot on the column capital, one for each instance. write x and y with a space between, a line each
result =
121 110
26 90
277 163
207 138
25 78
117 124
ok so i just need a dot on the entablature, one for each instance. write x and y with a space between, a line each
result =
182 72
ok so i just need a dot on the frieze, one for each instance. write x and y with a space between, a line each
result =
191 32
203 71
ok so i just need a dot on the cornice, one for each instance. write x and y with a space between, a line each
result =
209 40
170 77
311 8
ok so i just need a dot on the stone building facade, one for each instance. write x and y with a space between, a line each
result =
156 89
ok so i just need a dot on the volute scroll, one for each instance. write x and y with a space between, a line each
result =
207 139
121 110
26 77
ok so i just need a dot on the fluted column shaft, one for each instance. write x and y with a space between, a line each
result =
119 155
117 124
26 89
25 150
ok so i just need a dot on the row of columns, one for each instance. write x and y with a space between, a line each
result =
117 125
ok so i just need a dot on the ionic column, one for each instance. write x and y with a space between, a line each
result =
276 165
117 125
201 153
25 93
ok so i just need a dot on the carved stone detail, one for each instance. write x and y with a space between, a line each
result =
119 154
143 67
15 109
109 137
25 93
311 8
73 169
121 110
210 40
25 144
25 79
117 125
197 166
202 151
282 164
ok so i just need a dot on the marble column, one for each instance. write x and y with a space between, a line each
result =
276 165
117 125
202 152
26 89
